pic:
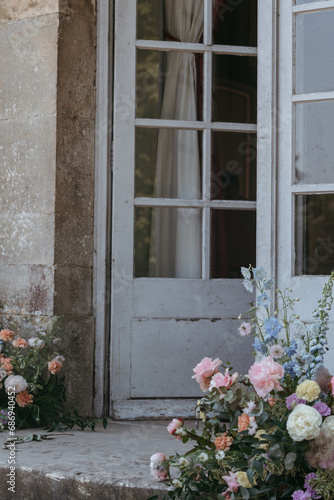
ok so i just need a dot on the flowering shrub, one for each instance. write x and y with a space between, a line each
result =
29 362
268 434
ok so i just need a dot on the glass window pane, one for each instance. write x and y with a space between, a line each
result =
233 169
314 159
234 88
168 242
235 23
169 85
149 19
314 52
180 20
233 242
301 2
314 234
168 163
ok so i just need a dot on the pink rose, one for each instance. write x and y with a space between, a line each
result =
205 369
158 471
265 374
220 380
232 481
175 425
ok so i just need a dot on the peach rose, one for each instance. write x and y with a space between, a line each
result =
205 369
22 343
6 335
54 366
24 399
6 364
223 442
243 422
175 425
264 376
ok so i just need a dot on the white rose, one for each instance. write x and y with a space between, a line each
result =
16 382
304 423
328 426
36 342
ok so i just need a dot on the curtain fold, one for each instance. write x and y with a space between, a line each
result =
175 246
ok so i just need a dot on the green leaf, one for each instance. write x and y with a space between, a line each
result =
258 466
244 492
250 476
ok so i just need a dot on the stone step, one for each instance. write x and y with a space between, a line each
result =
111 464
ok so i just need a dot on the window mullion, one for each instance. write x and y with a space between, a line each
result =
207 93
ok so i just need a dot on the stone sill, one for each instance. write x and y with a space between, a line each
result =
111 464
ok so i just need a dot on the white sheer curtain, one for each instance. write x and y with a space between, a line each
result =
175 247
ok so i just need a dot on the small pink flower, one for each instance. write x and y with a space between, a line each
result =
205 369
158 471
264 376
245 329
220 380
232 481
276 351
175 425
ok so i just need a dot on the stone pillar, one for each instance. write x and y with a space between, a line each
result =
47 113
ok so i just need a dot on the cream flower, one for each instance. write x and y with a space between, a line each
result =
328 426
309 390
304 423
243 479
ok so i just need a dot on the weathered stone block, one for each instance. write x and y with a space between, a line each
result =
27 239
73 287
75 167
27 287
28 160
28 71
11 10
76 70
74 241
78 349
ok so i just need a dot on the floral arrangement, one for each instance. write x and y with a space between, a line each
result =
29 364
268 434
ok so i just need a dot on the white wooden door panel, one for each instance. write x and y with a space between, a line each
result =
164 353
208 298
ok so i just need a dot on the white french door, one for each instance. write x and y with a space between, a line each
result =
184 196
305 253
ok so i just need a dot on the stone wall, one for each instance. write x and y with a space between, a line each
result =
47 121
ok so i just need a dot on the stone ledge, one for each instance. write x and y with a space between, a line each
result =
111 464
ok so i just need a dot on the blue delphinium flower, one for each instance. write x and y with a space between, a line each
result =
259 346
292 368
267 284
248 285
272 328
292 349
263 300
259 274
246 273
